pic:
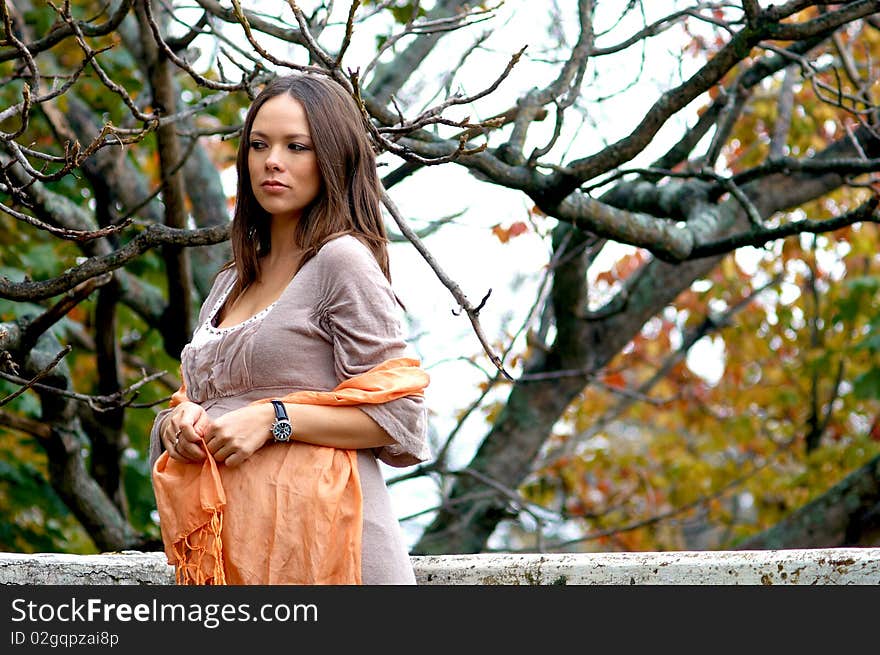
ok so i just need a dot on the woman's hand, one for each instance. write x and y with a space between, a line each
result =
238 434
182 432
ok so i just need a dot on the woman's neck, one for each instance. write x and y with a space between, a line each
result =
284 252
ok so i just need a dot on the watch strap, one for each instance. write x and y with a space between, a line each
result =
280 410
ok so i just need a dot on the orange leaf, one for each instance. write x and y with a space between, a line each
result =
500 232
505 234
615 380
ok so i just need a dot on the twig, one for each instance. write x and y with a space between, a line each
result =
455 290
756 237
98 403
32 329
27 384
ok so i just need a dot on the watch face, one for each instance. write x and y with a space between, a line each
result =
282 430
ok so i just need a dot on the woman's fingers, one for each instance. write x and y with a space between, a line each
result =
203 424
230 454
220 454
232 450
189 445
192 431
169 435
213 439
185 442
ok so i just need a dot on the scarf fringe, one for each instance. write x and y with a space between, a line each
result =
191 551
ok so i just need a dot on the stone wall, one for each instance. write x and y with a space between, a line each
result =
807 566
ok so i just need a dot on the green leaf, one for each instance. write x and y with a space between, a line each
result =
860 292
870 343
867 385
404 13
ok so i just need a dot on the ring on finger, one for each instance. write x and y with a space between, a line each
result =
177 437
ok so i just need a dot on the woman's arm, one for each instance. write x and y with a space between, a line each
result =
362 318
238 434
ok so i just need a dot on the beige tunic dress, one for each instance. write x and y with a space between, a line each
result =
336 319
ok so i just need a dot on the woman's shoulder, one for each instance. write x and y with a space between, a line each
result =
345 268
223 279
226 273
221 283
345 254
344 246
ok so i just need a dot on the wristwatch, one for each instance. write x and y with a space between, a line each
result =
281 429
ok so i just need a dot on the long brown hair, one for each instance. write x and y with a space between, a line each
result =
349 201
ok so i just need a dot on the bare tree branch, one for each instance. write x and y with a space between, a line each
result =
150 237
463 302
33 328
864 213
785 107
27 384
60 32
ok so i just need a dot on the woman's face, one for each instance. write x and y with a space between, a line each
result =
281 158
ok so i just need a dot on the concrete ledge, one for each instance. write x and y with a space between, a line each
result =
124 568
760 567
833 566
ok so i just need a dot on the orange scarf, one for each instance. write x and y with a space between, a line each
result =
307 532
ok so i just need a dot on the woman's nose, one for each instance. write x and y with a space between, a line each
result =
273 160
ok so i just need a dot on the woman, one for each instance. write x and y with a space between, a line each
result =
305 304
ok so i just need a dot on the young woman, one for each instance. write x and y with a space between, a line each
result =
305 306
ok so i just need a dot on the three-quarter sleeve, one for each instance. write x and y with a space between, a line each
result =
156 447
359 310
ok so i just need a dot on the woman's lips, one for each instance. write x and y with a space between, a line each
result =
273 186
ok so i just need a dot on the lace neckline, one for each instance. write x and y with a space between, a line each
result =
209 324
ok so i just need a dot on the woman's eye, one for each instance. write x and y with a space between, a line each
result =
298 147
257 145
